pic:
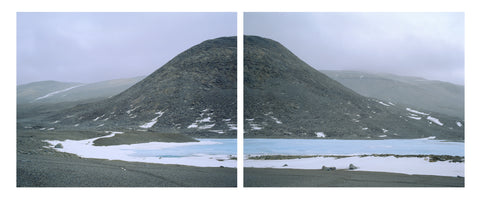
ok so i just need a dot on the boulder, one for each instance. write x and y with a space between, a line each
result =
324 168
352 167
59 145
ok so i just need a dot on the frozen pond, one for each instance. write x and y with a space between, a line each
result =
351 147
206 153
354 148
223 152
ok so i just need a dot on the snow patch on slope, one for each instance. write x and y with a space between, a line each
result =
320 134
459 124
417 112
274 118
153 121
416 118
57 92
382 103
205 121
434 120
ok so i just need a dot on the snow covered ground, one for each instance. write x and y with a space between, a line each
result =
406 165
213 157
355 148
85 148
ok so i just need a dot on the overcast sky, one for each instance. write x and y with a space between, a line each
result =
428 45
91 47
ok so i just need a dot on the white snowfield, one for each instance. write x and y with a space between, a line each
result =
57 92
405 165
85 148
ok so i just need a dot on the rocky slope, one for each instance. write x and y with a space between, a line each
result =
194 93
285 97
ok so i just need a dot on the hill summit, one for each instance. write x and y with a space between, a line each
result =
285 97
194 93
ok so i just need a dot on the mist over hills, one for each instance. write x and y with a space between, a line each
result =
437 96
38 100
194 93
285 97
56 92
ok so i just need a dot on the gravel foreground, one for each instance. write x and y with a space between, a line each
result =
43 167
267 177
55 171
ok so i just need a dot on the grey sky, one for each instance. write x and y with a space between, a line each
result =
428 45
91 47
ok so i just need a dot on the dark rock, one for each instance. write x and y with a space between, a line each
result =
352 167
59 145
285 165
324 168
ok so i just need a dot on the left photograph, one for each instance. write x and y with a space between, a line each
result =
126 99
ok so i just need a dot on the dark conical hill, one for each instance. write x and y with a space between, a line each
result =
285 97
194 93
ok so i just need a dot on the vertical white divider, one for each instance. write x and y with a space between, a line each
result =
240 100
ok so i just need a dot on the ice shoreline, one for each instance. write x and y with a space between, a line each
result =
376 163
85 149
390 164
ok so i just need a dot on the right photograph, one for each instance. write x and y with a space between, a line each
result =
354 99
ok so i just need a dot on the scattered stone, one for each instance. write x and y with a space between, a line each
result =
324 168
59 145
352 167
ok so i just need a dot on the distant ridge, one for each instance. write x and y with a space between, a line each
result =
437 96
56 92
285 97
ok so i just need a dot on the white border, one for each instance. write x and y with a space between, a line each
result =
8 11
